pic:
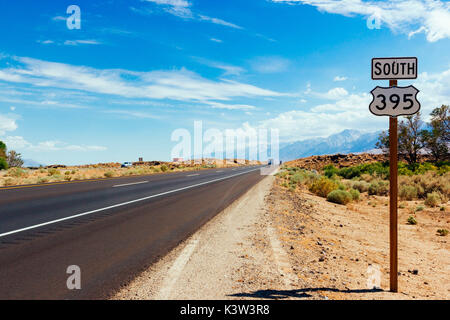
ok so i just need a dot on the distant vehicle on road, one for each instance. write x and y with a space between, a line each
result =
127 165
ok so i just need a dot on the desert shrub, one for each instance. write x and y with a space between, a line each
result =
164 168
283 174
53 172
108 174
433 199
442 208
350 172
419 208
361 186
297 178
17 172
156 170
323 186
9 182
355 194
67 173
42 180
411 220
73 171
67 178
407 192
442 232
339 196
285 184
330 171
3 164
379 187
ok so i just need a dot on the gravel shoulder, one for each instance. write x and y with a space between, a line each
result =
226 258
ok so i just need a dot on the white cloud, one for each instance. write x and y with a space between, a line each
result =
335 94
229 69
181 85
339 78
216 40
181 8
351 110
219 21
77 42
21 144
408 16
7 123
217 105
46 41
270 64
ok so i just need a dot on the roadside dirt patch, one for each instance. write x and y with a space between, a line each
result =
339 252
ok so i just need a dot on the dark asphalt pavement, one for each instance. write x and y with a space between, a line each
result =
112 229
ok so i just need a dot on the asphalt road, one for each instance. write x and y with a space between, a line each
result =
112 229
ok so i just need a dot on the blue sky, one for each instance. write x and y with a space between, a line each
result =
117 88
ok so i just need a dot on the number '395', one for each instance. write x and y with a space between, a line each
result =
395 100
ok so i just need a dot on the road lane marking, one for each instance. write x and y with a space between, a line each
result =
193 175
220 171
128 184
119 205
175 271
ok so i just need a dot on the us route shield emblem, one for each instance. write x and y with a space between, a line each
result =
394 101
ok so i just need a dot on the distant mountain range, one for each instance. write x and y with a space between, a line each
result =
347 141
31 163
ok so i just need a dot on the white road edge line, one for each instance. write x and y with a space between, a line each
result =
119 205
128 184
193 175
174 272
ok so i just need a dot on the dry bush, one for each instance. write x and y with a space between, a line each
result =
323 187
339 196
433 199
379 188
407 192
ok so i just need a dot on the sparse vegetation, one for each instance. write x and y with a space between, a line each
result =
442 232
323 186
433 199
411 220
355 194
339 196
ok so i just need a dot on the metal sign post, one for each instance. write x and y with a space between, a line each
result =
393 191
394 101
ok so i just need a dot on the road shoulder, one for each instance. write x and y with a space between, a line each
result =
228 257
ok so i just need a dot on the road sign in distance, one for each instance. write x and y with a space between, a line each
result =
394 68
394 101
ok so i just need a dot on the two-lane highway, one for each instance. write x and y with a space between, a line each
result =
111 229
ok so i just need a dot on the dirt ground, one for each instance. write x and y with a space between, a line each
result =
341 251
277 244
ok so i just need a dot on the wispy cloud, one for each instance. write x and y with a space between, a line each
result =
182 9
78 42
216 40
339 78
217 105
229 69
181 85
350 110
408 16
270 64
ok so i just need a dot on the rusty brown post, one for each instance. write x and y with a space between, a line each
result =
393 193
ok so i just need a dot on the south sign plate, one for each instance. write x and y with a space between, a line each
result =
394 101
394 68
